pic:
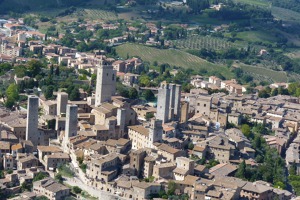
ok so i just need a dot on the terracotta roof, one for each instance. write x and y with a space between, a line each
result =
140 129
198 148
4 145
167 148
52 149
16 147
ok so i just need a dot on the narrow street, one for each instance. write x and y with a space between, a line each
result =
92 191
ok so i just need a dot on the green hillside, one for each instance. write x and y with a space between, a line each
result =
171 56
25 5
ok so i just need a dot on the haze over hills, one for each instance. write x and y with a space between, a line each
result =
145 99
24 5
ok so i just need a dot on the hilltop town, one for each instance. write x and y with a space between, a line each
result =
82 119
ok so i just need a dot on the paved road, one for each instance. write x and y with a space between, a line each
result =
94 192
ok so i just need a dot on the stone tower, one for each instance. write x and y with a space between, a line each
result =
106 83
155 131
62 101
32 120
121 120
163 102
168 102
172 88
71 121
177 103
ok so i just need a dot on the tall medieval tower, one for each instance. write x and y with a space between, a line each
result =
106 83
32 120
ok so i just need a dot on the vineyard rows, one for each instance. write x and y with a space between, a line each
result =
199 42
97 14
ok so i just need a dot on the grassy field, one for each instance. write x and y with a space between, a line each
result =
257 36
285 14
95 14
198 42
170 56
260 73
260 3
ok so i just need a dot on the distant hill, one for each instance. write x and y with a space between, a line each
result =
24 5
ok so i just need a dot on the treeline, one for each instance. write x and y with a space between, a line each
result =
146 2
84 46
271 166
293 90
232 11
174 32
197 6
288 4
230 53
25 5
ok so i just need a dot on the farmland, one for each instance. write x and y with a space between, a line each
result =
170 56
264 74
95 14
261 3
257 36
198 42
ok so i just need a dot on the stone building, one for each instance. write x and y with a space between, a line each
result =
51 189
71 125
146 137
32 132
62 101
55 160
168 102
203 105
106 83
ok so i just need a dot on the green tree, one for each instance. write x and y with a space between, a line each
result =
40 176
59 178
144 81
51 69
148 95
49 92
133 93
57 71
34 67
9 103
191 146
12 92
149 115
246 130
293 169
76 189
293 87
40 198
26 186
279 185
75 95
241 172
274 92
171 188
297 94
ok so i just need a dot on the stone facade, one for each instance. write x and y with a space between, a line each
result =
106 83
32 120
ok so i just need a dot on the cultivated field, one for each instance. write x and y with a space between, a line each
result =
265 74
95 14
261 3
170 56
199 42
257 36
285 14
